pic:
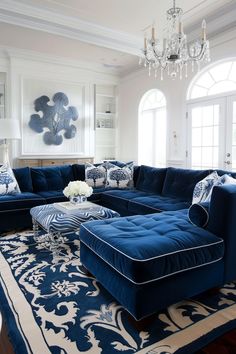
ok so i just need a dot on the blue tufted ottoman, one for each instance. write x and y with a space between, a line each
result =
151 261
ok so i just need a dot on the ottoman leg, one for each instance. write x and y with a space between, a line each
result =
35 230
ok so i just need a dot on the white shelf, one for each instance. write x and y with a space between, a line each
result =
105 96
105 114
106 146
105 129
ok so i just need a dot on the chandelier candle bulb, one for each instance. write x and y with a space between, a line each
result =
153 33
204 30
145 43
180 27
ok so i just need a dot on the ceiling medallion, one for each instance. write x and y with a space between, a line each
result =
173 53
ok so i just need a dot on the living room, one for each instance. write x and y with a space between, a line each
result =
139 102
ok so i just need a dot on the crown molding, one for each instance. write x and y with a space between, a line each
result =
9 54
13 12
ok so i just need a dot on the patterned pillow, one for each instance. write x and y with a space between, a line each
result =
227 179
203 189
95 176
8 183
120 177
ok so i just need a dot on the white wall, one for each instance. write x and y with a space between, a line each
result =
22 65
133 87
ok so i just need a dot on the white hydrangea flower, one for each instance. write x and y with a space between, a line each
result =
76 188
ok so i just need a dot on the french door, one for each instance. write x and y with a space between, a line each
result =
211 136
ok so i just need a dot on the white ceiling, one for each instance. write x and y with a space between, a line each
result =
84 28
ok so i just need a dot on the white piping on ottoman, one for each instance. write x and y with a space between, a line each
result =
152 280
149 259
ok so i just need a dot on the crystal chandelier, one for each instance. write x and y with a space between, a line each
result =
173 54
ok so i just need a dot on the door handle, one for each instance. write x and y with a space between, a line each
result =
227 162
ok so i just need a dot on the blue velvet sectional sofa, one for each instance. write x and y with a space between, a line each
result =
153 255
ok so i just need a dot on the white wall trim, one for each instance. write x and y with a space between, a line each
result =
9 53
13 12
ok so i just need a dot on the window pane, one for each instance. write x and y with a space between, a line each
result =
197 117
206 80
197 137
196 156
234 112
207 154
207 136
221 71
216 136
208 115
222 86
198 92
216 114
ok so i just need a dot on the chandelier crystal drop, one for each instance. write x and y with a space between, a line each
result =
173 54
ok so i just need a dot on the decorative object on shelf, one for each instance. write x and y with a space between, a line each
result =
56 118
174 53
108 108
78 192
9 129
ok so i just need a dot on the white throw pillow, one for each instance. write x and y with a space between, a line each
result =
203 189
8 183
95 176
120 177
226 179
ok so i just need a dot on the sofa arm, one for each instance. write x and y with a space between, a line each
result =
222 222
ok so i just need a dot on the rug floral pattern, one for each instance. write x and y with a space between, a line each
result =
76 314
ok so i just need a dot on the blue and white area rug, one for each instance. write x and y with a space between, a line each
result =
57 308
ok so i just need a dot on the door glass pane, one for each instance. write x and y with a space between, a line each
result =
146 138
205 136
234 138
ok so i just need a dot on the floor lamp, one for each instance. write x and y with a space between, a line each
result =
9 130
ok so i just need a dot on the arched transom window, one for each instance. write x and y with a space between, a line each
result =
152 129
220 78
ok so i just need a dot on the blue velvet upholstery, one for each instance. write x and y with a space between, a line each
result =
78 172
151 247
222 222
51 178
24 200
198 214
53 196
179 183
151 179
152 203
145 299
23 177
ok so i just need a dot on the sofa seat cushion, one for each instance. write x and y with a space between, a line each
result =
153 203
24 200
120 197
53 196
151 247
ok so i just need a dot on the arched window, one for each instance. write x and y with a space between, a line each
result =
212 117
152 129
218 79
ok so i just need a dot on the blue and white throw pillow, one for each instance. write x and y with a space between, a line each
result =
120 177
203 189
95 176
227 179
8 183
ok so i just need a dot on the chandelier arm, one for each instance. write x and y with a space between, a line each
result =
200 55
